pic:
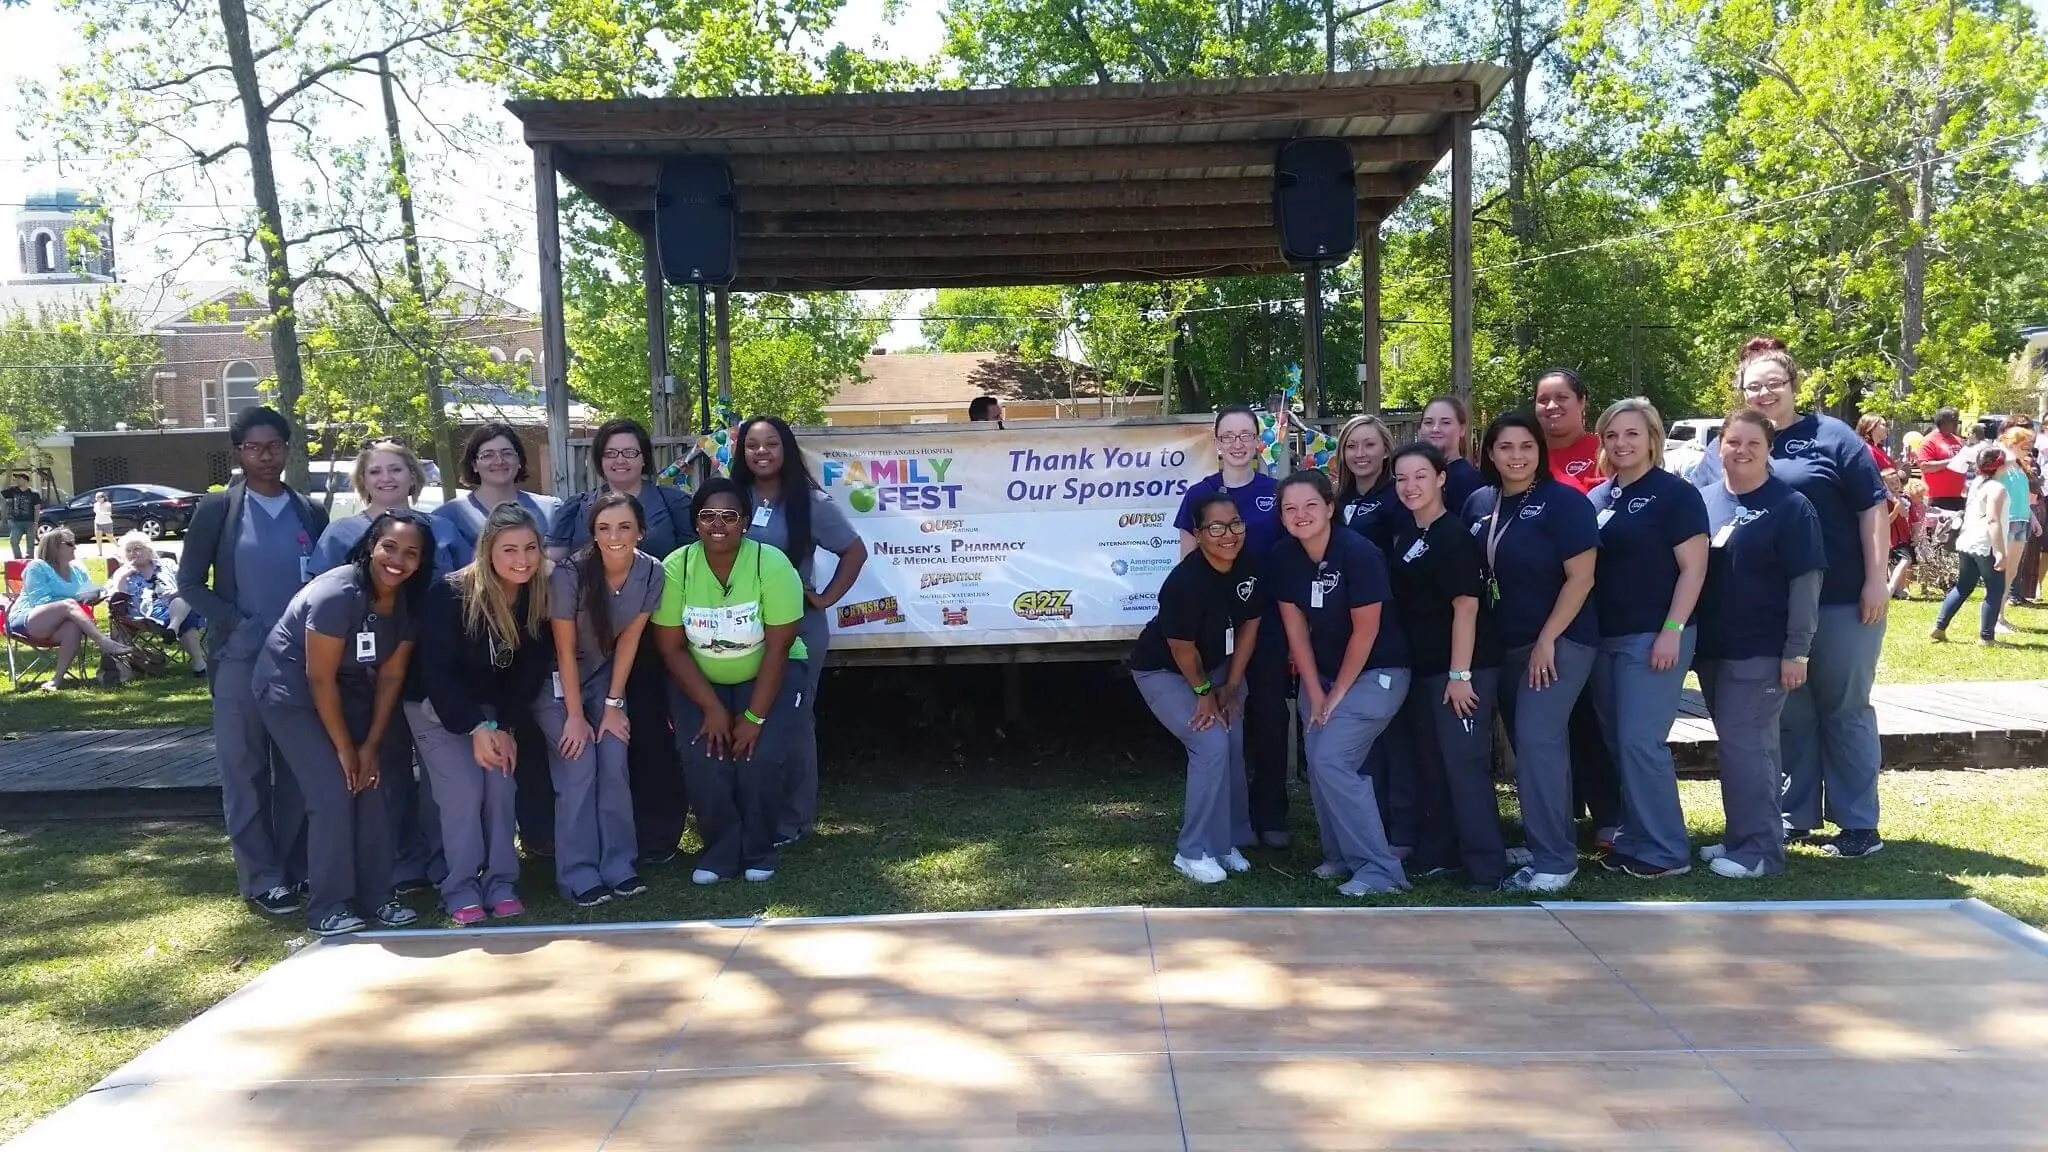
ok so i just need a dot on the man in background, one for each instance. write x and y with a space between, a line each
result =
986 409
21 501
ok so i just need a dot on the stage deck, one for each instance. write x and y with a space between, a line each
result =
1731 1028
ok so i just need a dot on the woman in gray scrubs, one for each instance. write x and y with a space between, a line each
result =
599 601
332 672
771 470
387 478
493 467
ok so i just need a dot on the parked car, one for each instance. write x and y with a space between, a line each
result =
154 508
1686 443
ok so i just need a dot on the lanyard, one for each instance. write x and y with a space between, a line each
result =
1495 529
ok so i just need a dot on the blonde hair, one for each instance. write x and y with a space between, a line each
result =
1347 485
1655 423
486 600
358 479
52 539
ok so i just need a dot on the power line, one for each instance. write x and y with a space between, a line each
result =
304 354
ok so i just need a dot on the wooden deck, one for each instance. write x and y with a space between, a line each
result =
1963 725
1878 1026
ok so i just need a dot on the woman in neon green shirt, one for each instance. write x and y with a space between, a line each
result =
726 628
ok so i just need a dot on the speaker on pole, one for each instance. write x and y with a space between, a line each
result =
696 221
1315 200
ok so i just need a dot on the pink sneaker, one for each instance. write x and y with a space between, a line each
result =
507 908
467 915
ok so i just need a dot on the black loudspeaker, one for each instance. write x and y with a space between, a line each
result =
696 221
1315 200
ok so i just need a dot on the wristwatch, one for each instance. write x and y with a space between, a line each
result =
615 702
1465 676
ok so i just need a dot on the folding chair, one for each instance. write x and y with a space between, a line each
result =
30 662
156 644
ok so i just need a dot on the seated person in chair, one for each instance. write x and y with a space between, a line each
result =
143 596
53 609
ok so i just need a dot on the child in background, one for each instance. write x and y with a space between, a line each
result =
1902 530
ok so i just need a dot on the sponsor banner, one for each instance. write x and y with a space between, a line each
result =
1031 535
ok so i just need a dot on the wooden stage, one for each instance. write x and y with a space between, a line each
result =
1662 1028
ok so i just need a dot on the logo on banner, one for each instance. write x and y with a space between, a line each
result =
931 526
893 484
1153 542
1122 567
953 617
938 579
882 610
1140 602
1141 520
1044 604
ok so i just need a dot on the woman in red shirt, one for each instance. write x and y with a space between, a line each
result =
1873 431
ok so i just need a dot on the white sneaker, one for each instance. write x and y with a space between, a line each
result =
1530 880
2005 628
756 875
1358 887
1723 866
1712 852
1236 862
703 876
1520 857
1331 870
1203 871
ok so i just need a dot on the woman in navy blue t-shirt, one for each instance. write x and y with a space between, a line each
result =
1756 626
1445 427
1539 542
1265 707
1345 638
1653 560
1829 729
1365 480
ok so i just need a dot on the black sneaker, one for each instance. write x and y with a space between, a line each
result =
659 856
338 924
629 887
537 851
1437 873
592 897
282 900
1854 844
395 915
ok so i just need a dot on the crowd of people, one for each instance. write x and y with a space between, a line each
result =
1566 583
405 702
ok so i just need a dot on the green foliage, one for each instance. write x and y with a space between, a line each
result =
1036 42
79 363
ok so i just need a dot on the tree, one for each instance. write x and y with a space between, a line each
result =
81 364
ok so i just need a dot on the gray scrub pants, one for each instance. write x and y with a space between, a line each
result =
478 808
594 839
1460 818
799 808
1216 816
1347 814
260 797
1829 729
348 837
1637 707
1539 727
1746 701
736 800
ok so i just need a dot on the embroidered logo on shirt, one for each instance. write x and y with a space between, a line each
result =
1577 467
1328 581
1749 515
1796 447
1531 511
1247 587
1264 503
1639 503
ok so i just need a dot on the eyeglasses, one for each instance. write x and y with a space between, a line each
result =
1236 437
1759 387
620 454
263 447
718 516
1219 531
505 455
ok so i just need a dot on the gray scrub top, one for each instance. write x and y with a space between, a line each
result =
458 524
341 535
830 530
336 603
640 593
666 508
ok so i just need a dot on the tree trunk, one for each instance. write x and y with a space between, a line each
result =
443 448
278 285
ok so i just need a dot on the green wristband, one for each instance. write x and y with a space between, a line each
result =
1204 688
756 720
1674 625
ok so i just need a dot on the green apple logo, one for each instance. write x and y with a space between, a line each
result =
862 499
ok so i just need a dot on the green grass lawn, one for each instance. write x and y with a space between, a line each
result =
112 934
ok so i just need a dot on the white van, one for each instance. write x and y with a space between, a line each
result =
1686 443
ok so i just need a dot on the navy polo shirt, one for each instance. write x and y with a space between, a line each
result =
1430 569
1639 527
1761 541
1352 574
1461 480
1258 505
1199 604
1539 530
1825 461
1376 515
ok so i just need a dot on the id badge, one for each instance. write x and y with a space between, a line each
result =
366 647
1605 515
1416 551
305 569
761 514
1229 641
1315 594
1722 537
1492 592
556 676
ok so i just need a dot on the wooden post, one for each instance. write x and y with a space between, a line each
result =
1369 326
1461 255
661 400
554 340
721 303
1312 341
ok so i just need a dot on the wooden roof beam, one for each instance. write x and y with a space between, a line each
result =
1101 222
988 276
1092 264
990 197
778 248
960 165
922 114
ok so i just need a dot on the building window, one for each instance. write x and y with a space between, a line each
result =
239 388
497 355
219 469
45 252
523 356
108 470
